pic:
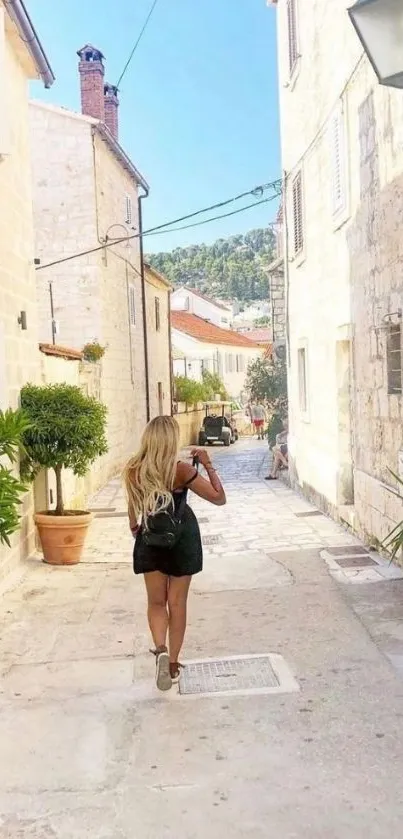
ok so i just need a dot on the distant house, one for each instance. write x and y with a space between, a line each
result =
200 345
259 335
158 290
190 300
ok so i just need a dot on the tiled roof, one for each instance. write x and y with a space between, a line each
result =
207 332
61 352
261 335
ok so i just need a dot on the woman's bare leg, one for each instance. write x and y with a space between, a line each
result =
157 594
178 590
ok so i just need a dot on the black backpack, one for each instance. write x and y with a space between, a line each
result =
164 529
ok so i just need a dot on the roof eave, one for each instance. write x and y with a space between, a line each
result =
18 13
121 155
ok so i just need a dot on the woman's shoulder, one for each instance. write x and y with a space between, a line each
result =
184 472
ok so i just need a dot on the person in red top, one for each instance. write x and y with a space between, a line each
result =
156 480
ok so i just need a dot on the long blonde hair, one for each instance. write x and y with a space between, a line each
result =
149 475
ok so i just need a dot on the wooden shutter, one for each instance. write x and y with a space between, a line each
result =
292 34
338 162
298 213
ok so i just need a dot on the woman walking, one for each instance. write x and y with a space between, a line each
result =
168 549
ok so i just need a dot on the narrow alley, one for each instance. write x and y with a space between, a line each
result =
306 744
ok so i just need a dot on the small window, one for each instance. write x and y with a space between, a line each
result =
292 34
157 314
394 357
132 305
302 380
338 153
128 210
298 213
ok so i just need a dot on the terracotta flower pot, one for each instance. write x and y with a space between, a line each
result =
62 537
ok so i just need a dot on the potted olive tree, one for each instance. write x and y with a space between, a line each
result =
66 431
12 427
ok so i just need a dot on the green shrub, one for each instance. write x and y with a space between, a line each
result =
66 431
188 390
13 424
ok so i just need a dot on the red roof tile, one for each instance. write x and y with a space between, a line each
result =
261 335
207 332
61 352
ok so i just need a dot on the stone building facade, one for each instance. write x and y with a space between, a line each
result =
86 197
158 291
19 354
342 148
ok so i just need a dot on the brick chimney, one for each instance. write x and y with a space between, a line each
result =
111 109
92 71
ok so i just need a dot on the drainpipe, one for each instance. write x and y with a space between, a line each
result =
171 378
143 298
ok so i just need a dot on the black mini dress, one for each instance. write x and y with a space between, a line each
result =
186 556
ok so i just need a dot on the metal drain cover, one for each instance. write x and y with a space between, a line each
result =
237 676
355 561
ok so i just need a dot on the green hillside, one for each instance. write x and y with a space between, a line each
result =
229 268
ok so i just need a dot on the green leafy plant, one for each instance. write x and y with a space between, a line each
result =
66 431
267 382
212 385
93 351
13 424
188 390
394 540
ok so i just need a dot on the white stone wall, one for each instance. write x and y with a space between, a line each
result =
348 276
215 358
80 193
19 354
159 362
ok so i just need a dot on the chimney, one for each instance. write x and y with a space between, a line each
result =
111 103
91 71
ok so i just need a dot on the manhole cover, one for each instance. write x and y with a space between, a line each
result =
211 540
355 561
347 550
237 675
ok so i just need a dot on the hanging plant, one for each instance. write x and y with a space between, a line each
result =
93 351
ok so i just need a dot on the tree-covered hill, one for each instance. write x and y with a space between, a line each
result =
229 268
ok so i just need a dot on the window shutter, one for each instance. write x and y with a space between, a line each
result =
128 210
4 94
292 34
338 162
132 305
298 213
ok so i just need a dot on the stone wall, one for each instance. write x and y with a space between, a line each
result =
277 299
190 421
19 356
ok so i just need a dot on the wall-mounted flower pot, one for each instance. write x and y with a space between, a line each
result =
62 537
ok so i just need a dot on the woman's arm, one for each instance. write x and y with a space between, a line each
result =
134 527
212 489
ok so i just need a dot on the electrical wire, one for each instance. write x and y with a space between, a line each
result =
207 220
147 20
257 190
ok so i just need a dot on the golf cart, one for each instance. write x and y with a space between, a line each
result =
218 425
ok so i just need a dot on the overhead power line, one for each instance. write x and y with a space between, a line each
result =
276 185
207 220
146 22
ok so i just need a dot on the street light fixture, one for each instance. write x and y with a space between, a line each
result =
379 26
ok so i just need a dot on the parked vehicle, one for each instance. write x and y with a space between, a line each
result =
218 425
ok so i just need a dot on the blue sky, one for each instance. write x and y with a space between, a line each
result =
198 105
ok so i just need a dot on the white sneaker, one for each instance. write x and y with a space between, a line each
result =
162 672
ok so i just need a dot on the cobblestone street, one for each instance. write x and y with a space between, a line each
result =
303 744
